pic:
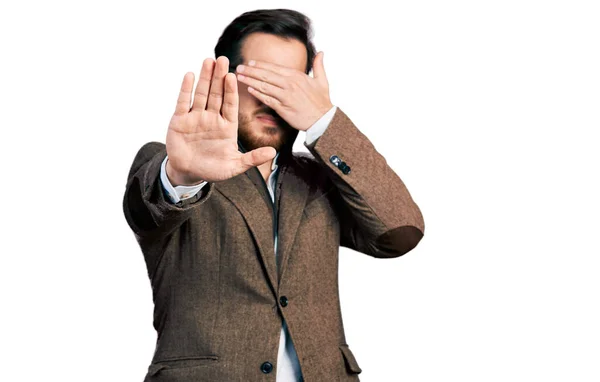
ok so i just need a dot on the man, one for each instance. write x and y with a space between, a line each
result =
241 236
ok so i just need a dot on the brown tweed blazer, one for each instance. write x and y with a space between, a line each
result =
219 296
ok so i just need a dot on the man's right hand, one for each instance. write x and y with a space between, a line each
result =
202 139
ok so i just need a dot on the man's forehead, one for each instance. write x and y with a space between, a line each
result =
290 53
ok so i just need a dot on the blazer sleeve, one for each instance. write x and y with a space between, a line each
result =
147 209
377 214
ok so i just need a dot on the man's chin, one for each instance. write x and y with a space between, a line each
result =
256 142
263 135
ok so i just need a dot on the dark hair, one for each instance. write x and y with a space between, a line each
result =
284 23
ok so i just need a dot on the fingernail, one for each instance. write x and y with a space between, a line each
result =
240 68
251 63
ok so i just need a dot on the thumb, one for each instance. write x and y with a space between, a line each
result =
256 157
318 67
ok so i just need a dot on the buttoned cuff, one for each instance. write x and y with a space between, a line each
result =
319 127
177 193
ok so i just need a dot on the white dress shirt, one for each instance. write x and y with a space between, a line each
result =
288 367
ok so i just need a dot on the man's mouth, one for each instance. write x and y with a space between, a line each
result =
267 119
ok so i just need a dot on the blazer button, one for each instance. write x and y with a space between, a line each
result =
284 301
345 168
335 160
266 367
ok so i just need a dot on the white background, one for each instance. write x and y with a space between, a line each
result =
487 110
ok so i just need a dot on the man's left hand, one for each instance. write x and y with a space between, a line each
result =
297 97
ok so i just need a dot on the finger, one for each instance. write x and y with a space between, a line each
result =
215 96
203 86
185 94
264 75
255 158
274 103
231 99
318 67
263 87
272 67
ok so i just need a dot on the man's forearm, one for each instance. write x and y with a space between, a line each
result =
384 221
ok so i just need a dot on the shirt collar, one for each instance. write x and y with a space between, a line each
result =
274 165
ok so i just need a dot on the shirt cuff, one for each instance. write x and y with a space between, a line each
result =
319 127
177 193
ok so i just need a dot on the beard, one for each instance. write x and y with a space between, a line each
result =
253 134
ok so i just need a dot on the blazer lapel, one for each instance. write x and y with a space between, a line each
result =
291 196
251 198
244 194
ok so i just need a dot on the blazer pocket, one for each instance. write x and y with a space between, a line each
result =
180 363
351 364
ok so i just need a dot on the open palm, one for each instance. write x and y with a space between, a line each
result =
202 139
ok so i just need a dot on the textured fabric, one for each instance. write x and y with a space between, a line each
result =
219 294
288 367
